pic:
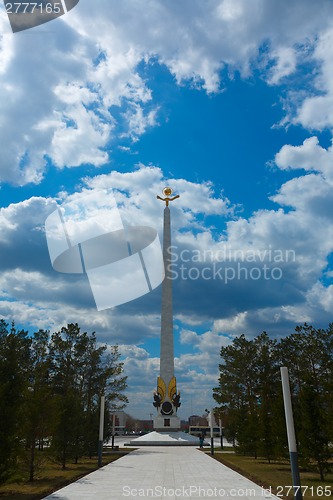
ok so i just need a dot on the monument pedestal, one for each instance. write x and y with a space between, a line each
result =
166 423
165 438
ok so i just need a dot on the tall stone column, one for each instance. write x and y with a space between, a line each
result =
166 398
167 348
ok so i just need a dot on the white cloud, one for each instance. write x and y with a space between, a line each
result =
27 275
296 243
7 44
139 121
58 105
208 343
321 296
188 337
36 294
59 86
230 11
132 351
143 184
316 112
233 324
310 157
60 89
286 62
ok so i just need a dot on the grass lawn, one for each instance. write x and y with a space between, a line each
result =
50 478
277 475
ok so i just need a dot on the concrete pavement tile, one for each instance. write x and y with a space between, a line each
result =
186 472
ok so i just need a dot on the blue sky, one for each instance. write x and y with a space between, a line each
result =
229 102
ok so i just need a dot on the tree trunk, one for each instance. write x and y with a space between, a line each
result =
64 458
321 471
32 460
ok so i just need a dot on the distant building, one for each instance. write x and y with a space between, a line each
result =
184 425
120 422
197 420
146 425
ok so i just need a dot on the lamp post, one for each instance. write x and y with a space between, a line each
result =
113 429
101 431
210 418
291 433
221 432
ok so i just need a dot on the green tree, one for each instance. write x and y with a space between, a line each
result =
326 337
308 355
104 377
82 372
50 388
39 401
237 392
65 351
250 395
115 383
314 434
14 368
267 386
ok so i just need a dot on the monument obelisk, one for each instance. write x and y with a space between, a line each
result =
166 398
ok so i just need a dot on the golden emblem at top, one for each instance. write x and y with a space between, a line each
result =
167 191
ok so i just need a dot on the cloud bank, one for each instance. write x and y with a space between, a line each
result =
92 93
72 93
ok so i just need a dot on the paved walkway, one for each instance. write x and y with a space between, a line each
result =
165 473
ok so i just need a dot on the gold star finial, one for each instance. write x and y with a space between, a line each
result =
167 191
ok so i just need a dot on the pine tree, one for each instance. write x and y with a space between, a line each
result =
65 366
314 434
237 392
39 401
81 373
14 363
267 391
